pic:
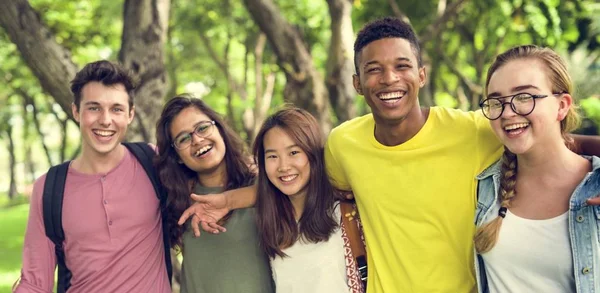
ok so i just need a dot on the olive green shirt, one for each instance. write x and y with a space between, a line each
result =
229 262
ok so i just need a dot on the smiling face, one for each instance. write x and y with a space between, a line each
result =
542 126
103 117
204 155
286 164
389 77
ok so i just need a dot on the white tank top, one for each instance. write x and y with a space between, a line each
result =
531 256
313 267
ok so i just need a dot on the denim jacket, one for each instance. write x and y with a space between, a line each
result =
584 225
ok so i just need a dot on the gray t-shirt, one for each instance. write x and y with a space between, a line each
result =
229 262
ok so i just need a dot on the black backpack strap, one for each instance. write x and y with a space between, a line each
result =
52 203
145 155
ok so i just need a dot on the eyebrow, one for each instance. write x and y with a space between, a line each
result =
93 103
287 148
187 132
397 59
515 89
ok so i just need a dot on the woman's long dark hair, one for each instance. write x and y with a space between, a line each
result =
177 178
276 222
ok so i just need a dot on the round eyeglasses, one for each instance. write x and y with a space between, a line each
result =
522 104
202 130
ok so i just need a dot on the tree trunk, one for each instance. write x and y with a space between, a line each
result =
50 62
29 164
12 190
305 86
340 65
263 96
29 100
145 26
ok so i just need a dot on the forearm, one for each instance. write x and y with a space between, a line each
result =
241 198
587 144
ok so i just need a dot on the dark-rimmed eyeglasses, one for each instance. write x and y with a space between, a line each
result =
202 130
521 103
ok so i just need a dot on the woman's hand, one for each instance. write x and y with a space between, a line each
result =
206 212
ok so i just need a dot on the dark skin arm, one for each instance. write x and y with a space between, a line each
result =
588 145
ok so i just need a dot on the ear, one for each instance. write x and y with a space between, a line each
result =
422 76
75 112
564 104
356 83
131 114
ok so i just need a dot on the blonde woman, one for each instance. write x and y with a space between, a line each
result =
536 233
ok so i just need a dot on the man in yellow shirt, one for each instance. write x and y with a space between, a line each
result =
412 169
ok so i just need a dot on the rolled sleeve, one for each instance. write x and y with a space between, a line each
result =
334 169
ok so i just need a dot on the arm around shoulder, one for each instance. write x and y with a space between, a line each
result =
587 144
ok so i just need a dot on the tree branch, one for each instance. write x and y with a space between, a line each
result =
397 12
305 87
50 62
435 28
27 99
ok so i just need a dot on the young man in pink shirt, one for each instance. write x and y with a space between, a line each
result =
110 214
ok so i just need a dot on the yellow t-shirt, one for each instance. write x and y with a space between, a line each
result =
416 200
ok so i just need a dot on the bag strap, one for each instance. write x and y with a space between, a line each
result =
145 155
353 229
52 203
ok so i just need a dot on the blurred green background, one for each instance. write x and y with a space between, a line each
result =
245 58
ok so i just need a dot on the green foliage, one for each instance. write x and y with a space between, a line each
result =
591 109
14 220
211 46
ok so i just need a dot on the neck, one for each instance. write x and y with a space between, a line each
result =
399 132
298 202
550 164
215 178
91 162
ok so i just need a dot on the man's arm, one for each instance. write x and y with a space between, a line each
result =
587 144
209 209
39 260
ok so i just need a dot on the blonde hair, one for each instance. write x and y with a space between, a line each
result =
556 70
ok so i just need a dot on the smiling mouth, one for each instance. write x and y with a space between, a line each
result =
516 128
288 178
104 133
203 150
391 97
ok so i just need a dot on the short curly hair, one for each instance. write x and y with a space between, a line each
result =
106 72
387 27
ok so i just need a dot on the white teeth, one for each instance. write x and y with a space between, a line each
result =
203 150
104 133
392 95
515 126
288 178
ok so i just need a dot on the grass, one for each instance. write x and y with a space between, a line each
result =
14 220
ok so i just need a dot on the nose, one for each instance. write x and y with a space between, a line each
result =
389 77
507 110
283 165
196 139
105 118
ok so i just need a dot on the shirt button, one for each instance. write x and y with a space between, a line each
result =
102 178
105 201
579 218
110 223
586 271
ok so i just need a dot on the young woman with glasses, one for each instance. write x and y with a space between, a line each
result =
536 233
199 153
